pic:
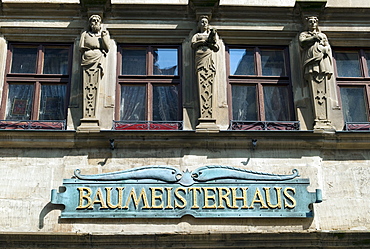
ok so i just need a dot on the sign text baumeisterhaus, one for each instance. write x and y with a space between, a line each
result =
166 192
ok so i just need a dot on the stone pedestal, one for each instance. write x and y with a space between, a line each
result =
207 125
89 125
323 126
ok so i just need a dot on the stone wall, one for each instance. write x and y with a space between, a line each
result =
32 163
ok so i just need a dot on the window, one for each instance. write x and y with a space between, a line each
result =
36 86
148 93
260 89
353 80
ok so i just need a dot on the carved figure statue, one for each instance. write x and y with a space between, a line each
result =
94 46
318 69
205 44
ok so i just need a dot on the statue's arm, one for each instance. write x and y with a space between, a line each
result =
195 43
213 38
105 40
306 40
82 43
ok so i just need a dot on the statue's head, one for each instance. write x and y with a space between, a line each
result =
203 23
312 23
95 23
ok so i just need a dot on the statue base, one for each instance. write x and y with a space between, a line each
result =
323 126
207 125
88 125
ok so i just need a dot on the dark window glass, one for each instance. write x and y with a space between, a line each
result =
367 57
165 61
165 103
353 104
56 61
244 102
42 95
133 103
52 105
134 61
241 62
149 86
348 64
354 91
260 84
24 60
273 63
19 104
276 105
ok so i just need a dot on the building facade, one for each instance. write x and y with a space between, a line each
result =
108 86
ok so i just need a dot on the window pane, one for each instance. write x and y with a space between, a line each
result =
19 103
133 103
165 61
244 103
134 61
241 62
353 104
276 103
52 101
24 60
165 103
56 61
367 56
273 63
348 64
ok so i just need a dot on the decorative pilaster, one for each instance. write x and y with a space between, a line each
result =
205 45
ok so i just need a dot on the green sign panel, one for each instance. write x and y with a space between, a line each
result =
166 192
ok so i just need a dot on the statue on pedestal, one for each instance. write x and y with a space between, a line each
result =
318 70
94 46
205 45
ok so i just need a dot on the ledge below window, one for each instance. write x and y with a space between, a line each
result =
264 125
147 125
32 124
357 126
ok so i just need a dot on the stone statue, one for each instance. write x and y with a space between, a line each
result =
205 44
318 69
94 46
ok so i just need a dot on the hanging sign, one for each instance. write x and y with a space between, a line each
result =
166 192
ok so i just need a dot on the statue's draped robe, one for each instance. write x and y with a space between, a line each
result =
316 62
92 57
317 67
206 70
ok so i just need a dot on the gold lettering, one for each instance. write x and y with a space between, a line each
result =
278 197
180 197
85 197
169 190
288 196
208 197
244 197
157 197
195 198
136 199
258 198
119 197
222 197
98 199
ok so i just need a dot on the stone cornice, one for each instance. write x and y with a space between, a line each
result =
187 139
